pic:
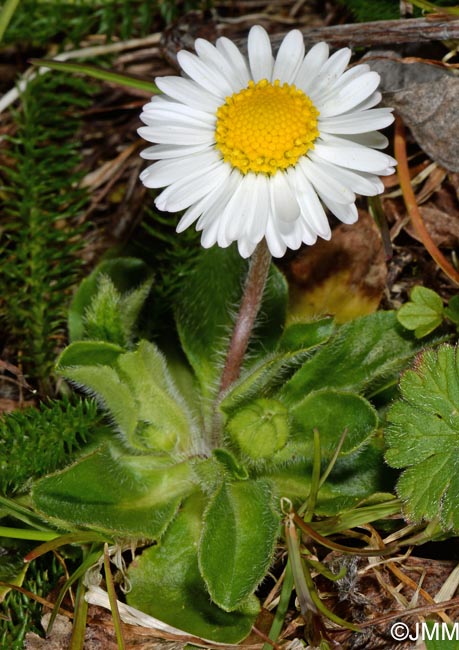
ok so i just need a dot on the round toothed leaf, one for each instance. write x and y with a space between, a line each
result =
423 437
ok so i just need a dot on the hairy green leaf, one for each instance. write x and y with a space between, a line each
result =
423 437
89 353
138 391
238 539
361 356
333 412
304 336
129 496
166 583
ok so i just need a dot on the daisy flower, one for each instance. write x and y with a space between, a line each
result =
258 147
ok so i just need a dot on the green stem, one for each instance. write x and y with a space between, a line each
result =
26 533
282 607
113 601
80 619
248 310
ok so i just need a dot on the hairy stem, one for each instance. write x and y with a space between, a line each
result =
248 310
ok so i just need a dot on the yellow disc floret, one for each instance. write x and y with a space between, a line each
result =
266 127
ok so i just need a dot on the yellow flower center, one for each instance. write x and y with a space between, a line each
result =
266 127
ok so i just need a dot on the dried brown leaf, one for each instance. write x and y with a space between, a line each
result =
426 96
345 276
443 226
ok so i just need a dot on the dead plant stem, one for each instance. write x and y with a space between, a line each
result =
411 205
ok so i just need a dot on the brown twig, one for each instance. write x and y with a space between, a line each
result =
38 599
438 27
382 32
411 611
411 205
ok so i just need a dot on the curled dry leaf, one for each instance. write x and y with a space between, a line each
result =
345 276
426 96
443 226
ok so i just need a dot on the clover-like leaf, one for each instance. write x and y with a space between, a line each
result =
423 437
423 313
452 310
238 539
166 583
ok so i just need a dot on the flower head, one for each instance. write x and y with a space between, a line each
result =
257 147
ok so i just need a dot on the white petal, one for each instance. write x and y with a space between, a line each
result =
245 248
359 182
312 211
347 76
347 154
291 233
215 209
209 235
169 119
350 96
166 151
183 193
330 72
201 207
386 171
357 122
371 101
166 172
260 54
311 65
345 213
179 135
203 74
284 206
373 139
274 239
188 92
255 231
289 57
245 199
235 59
213 58
165 106
324 182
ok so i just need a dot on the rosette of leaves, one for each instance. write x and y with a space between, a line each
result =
199 472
